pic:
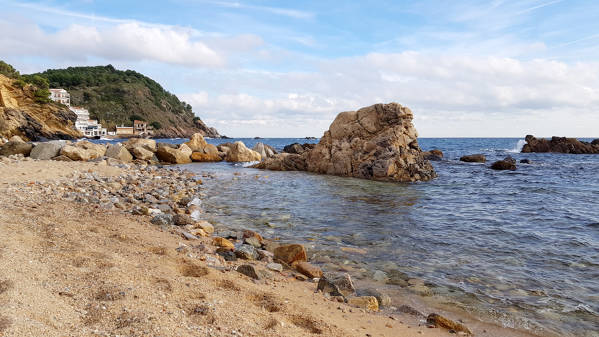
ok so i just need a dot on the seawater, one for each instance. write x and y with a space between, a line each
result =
520 248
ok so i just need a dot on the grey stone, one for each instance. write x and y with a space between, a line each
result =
182 219
275 266
383 299
163 220
336 284
46 151
246 252
253 241
249 270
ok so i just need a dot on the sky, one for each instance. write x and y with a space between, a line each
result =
286 68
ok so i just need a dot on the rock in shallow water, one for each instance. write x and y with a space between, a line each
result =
369 303
474 158
336 284
378 142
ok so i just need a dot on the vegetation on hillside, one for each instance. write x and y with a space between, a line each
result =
117 97
41 84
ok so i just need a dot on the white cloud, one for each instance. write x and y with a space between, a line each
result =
483 93
127 41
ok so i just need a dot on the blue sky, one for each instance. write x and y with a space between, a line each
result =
282 69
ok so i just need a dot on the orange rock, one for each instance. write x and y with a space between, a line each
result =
446 323
369 303
248 234
290 253
222 242
308 269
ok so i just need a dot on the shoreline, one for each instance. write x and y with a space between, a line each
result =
25 181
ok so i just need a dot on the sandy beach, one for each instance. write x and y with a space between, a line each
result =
69 269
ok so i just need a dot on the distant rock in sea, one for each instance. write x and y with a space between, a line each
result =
378 142
560 145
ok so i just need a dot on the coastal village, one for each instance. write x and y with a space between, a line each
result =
91 128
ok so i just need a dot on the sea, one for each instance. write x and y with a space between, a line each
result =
515 248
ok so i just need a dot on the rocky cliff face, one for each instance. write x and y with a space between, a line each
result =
560 145
378 142
21 116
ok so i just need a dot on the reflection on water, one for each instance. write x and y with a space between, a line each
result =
520 247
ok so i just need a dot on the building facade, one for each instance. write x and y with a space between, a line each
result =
140 127
89 127
124 130
60 96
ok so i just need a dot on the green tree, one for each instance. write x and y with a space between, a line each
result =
156 125
8 70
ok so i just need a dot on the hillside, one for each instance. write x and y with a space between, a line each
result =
114 97
23 114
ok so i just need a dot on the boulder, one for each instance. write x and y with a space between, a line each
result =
435 155
474 158
11 148
264 150
47 150
141 153
170 155
378 142
148 144
205 157
239 153
444 322
336 284
183 148
250 271
118 151
196 142
290 253
83 151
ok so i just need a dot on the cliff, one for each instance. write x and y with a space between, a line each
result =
115 97
21 115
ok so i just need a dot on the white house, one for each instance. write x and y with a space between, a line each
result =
60 96
89 127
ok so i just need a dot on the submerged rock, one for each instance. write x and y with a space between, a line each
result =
560 145
378 142
508 163
435 155
474 158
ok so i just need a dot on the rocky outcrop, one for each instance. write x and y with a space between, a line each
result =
474 158
239 153
378 142
21 115
560 145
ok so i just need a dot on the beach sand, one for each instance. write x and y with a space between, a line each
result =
69 269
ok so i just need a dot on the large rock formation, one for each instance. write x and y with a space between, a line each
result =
378 142
202 151
83 151
21 115
561 145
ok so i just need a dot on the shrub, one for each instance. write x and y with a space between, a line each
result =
8 70
156 125
42 96
136 118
